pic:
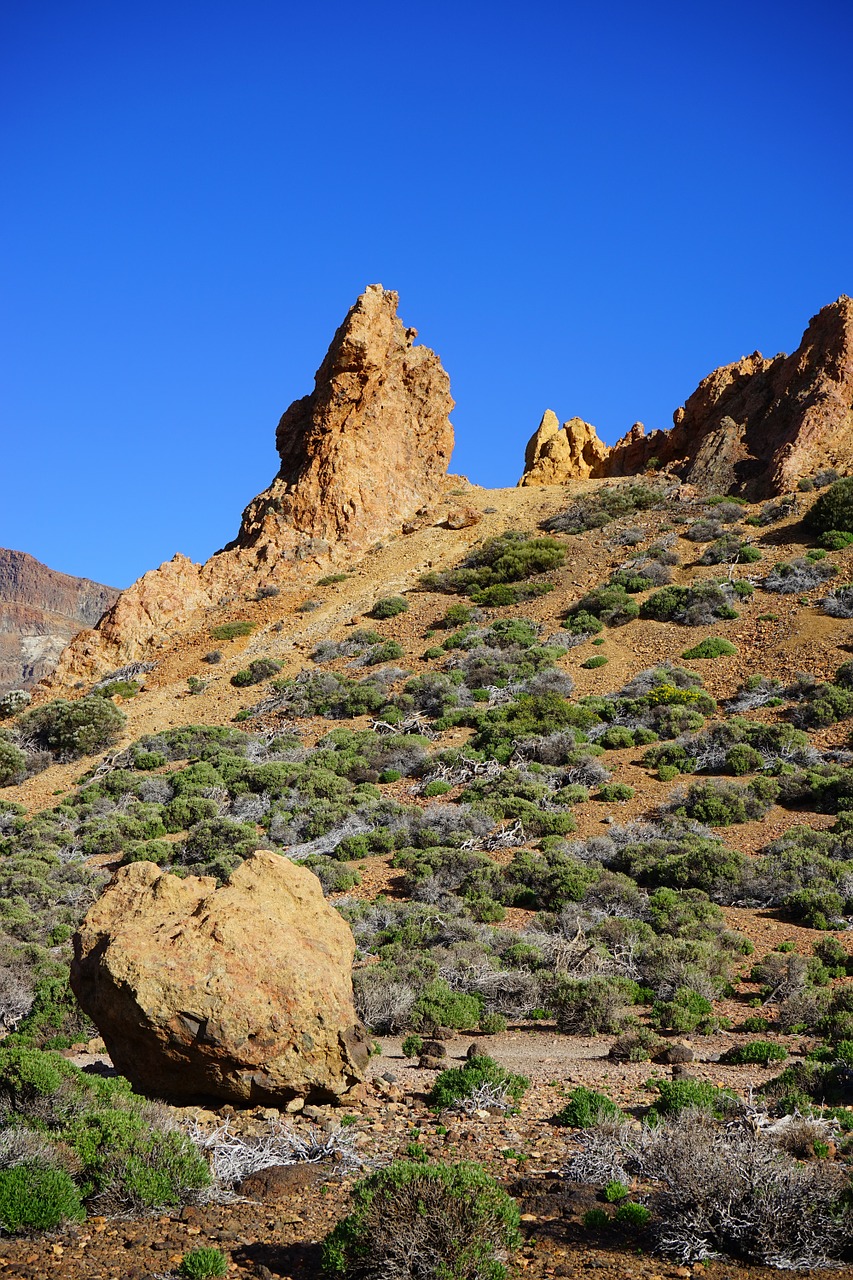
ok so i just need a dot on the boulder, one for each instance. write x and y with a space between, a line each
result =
241 992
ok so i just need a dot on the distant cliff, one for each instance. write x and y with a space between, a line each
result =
40 611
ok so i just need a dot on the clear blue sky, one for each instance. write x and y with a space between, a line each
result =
586 207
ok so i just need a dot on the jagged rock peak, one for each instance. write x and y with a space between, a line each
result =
368 446
754 427
360 457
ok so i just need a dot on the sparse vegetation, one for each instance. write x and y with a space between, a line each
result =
232 630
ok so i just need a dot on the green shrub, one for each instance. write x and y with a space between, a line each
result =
232 630
694 606
713 647
13 763
34 1198
492 1024
331 578
676 1095
687 1011
438 1006
611 604
491 575
585 1108
389 607
73 729
611 502
835 540
615 792
759 1052
436 788
459 1083
597 660
387 651
592 1006
633 1216
203 1263
596 1220
259 669
436 1221
412 1046
833 510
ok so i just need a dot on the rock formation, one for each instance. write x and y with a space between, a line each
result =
753 428
241 993
40 611
360 456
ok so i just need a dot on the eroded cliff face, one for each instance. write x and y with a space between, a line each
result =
754 427
360 456
40 611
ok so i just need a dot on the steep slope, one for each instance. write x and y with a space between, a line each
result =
754 428
40 611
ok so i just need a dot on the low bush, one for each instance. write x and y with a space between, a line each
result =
695 606
203 1263
72 729
478 1079
731 548
612 605
259 669
426 1222
675 1096
35 1198
498 571
833 509
794 577
597 660
585 1108
835 540
389 607
713 647
593 1006
232 630
612 502
758 1052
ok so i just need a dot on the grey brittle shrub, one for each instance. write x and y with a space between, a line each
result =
724 1189
13 702
756 691
795 577
839 602
731 548
611 502
820 703
808 874
704 530
417 1221
350 647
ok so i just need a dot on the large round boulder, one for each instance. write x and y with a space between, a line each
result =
241 992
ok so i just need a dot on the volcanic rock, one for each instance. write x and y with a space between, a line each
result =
241 993
753 428
360 456
40 611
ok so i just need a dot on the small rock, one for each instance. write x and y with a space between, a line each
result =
462 517
389 1076
278 1183
434 1049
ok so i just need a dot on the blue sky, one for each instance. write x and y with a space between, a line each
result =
583 207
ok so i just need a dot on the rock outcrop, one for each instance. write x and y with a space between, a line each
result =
40 611
241 993
754 427
360 456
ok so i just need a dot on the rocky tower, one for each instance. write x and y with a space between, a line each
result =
40 611
359 457
753 427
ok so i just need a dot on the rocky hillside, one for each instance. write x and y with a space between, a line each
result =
40 611
753 428
573 763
